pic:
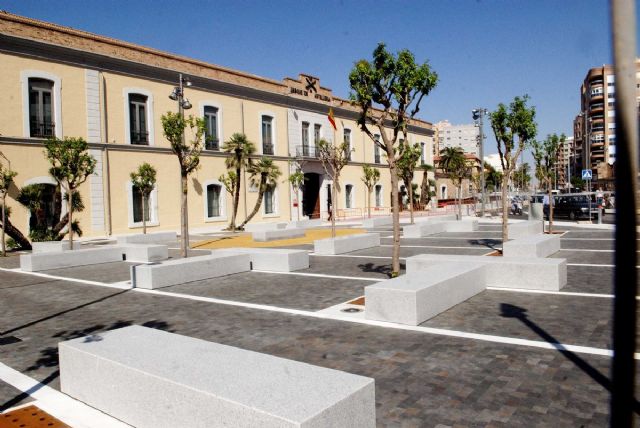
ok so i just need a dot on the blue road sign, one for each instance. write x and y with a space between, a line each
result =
587 174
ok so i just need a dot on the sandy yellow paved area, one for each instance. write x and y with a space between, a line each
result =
244 239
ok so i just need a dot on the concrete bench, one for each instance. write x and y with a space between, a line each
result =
274 235
418 296
464 225
273 259
304 224
151 378
53 246
144 252
508 272
372 222
346 244
254 227
435 218
422 229
64 259
148 238
179 271
524 228
532 246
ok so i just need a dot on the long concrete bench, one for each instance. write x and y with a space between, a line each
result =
144 252
532 246
273 259
418 296
148 238
372 222
435 218
304 224
508 272
179 271
346 244
254 227
64 259
427 228
524 228
464 225
274 235
53 246
150 378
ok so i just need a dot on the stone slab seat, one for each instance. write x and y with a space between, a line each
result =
148 238
422 229
304 224
377 222
524 228
254 227
464 225
145 252
272 259
274 235
346 244
509 272
150 378
53 246
71 258
418 296
180 271
435 218
532 246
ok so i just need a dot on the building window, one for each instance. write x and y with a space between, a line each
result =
376 149
138 130
378 195
212 140
213 200
267 135
137 206
423 154
348 196
305 138
269 200
40 108
316 134
347 141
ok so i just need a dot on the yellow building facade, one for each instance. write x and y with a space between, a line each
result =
57 81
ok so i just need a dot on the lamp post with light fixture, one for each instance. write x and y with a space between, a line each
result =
477 116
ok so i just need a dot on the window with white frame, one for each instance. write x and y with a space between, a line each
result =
214 200
305 138
136 207
138 130
41 123
423 153
267 135
378 190
376 149
348 196
316 134
269 199
141 206
211 135
346 138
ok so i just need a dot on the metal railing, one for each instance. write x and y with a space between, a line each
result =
212 144
267 149
140 138
41 129
307 152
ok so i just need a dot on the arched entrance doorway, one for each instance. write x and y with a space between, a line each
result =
311 195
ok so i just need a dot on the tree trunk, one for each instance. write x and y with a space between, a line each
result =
236 201
395 210
144 216
460 201
256 208
411 201
550 193
369 202
184 220
334 206
505 208
15 234
70 211
4 221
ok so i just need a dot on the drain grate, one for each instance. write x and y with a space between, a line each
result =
31 417
351 310
9 340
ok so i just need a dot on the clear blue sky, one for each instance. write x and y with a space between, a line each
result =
485 52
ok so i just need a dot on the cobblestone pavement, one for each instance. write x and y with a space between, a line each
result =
422 379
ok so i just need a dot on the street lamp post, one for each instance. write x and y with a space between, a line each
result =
477 116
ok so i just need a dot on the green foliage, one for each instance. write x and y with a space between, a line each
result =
6 178
239 149
578 182
174 126
407 161
264 174
144 179
370 176
545 155
454 164
229 181
12 244
521 176
71 165
333 158
297 179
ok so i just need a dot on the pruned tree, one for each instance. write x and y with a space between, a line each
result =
389 90
333 158
296 180
407 162
425 186
454 164
71 165
514 128
144 181
174 126
264 175
239 150
229 181
545 155
521 176
370 178
6 180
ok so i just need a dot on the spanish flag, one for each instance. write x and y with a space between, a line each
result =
331 119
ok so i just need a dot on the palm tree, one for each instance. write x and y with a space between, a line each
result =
425 187
453 162
264 175
239 149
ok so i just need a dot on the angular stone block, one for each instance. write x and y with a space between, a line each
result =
464 225
64 259
149 238
422 229
179 271
524 228
53 246
532 246
435 218
346 244
274 235
304 224
377 222
254 227
145 252
155 379
273 259
508 272
418 296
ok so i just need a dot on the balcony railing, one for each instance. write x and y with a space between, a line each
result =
307 152
140 138
376 159
267 149
42 129
212 144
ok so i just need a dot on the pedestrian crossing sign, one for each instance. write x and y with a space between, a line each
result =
587 174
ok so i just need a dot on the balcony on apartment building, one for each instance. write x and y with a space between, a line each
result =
41 129
307 152
596 108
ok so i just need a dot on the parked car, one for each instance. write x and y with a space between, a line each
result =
573 206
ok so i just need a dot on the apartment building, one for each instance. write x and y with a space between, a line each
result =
58 81
565 168
464 136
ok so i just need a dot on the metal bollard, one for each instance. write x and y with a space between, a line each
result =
599 215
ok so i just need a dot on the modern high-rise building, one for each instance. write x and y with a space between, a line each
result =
463 136
595 127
